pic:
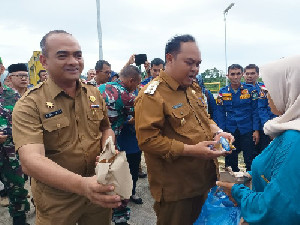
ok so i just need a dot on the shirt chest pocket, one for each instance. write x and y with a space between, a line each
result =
57 133
95 114
245 100
183 120
227 102
94 118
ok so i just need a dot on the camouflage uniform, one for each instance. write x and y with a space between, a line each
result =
10 168
120 104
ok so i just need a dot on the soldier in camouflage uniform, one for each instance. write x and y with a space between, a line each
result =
11 171
120 104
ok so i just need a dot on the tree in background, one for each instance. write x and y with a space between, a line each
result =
214 75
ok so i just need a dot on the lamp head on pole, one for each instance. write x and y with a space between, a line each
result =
228 8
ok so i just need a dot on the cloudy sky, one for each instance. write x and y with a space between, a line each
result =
257 31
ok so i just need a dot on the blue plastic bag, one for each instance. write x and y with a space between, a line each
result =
218 210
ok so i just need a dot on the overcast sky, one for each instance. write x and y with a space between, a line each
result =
257 31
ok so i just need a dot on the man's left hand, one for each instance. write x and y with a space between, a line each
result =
256 137
226 135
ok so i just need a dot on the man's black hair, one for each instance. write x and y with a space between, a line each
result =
130 72
252 66
43 43
157 62
41 71
173 45
100 63
235 66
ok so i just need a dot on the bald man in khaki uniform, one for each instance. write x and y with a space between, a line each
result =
174 131
58 129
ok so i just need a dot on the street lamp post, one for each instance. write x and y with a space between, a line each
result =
225 13
99 30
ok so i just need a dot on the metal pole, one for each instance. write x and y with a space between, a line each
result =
225 13
225 50
99 30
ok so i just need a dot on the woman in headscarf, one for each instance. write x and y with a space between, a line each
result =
275 194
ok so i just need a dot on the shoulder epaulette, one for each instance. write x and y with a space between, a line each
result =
152 87
33 88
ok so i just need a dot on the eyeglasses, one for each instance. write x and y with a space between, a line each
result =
20 75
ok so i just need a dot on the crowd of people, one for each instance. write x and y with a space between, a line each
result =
57 128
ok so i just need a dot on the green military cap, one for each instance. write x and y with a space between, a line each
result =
1 61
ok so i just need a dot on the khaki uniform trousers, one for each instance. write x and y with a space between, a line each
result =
55 207
181 212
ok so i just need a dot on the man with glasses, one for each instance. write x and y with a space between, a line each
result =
251 76
103 71
238 114
10 168
18 75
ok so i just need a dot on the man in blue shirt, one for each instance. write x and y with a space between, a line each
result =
238 114
157 64
251 75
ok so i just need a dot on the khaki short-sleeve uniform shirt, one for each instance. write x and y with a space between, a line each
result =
165 120
68 127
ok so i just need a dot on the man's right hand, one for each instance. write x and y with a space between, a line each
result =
96 193
131 60
203 150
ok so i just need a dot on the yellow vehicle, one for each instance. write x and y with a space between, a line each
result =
34 66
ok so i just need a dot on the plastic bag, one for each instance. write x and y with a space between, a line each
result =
218 210
113 168
1 186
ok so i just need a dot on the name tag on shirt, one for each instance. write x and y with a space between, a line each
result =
177 106
245 96
52 114
227 98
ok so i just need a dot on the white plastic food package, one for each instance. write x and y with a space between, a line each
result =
113 168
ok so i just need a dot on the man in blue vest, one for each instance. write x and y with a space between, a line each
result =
238 114
251 76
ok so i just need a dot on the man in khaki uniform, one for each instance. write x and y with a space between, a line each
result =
58 129
174 131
